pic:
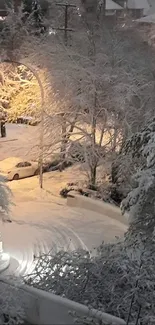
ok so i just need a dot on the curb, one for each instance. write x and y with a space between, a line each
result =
83 202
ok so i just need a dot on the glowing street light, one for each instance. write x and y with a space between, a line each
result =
4 257
41 145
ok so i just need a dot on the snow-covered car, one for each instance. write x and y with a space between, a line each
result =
27 120
15 168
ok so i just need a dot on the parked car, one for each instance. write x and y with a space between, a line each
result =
27 120
15 168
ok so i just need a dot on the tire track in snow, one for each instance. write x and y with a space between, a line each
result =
24 240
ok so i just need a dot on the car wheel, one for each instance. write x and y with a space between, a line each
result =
16 177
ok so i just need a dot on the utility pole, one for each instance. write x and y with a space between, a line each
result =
103 9
16 5
65 28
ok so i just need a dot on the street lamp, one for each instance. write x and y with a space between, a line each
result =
4 257
41 145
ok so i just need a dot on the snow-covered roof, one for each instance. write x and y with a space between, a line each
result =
111 5
148 19
151 10
138 4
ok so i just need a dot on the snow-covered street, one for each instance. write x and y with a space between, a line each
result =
41 219
39 227
21 141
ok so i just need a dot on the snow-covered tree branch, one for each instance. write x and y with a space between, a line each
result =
140 202
5 199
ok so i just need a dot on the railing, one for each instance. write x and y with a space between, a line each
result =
42 307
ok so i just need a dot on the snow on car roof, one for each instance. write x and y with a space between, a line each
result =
9 163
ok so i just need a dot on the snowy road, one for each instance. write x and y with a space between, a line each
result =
41 220
39 227
19 141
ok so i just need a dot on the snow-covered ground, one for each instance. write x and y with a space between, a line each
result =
21 141
39 227
41 219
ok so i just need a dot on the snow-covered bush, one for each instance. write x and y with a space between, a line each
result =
11 308
140 202
120 279
5 199
106 282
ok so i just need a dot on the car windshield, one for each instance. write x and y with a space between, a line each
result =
27 164
21 164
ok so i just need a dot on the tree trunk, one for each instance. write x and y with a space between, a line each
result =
66 136
93 164
93 170
63 145
16 5
114 142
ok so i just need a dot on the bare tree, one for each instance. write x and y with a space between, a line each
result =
19 92
140 200
94 81
98 84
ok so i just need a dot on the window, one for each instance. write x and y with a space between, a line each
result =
21 164
27 164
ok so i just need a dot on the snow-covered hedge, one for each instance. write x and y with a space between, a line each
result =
120 279
11 308
5 199
11 311
107 282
